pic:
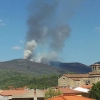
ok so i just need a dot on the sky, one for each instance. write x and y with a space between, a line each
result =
82 45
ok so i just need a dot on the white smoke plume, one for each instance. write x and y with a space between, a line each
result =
47 28
47 57
29 48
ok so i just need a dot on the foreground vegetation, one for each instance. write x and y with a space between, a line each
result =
95 91
51 93
18 80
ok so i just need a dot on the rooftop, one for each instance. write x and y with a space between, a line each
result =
67 91
94 73
12 92
86 86
77 75
82 89
96 64
70 97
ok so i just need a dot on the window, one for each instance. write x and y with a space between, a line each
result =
87 82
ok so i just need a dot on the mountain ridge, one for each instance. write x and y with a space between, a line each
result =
26 66
73 66
34 68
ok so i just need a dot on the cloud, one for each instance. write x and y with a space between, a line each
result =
97 28
16 48
2 23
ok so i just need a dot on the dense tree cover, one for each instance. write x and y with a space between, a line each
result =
20 80
51 93
95 91
43 81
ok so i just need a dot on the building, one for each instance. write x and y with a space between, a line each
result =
75 80
67 91
22 94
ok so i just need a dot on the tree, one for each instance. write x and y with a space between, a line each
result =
95 91
51 93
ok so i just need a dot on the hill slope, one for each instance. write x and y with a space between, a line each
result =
72 67
34 68
21 72
29 67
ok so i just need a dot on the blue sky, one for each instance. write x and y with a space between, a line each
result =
82 45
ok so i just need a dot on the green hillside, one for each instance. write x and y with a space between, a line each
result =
29 67
21 72
17 80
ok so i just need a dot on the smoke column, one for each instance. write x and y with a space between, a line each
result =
47 29
30 46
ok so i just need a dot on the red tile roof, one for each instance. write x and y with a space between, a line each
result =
86 86
70 97
68 91
12 92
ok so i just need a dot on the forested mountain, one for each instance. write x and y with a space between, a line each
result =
72 67
21 72
34 68
98 62
29 67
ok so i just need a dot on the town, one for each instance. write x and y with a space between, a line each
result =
70 86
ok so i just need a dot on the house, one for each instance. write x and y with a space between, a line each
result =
25 94
22 94
67 91
76 80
